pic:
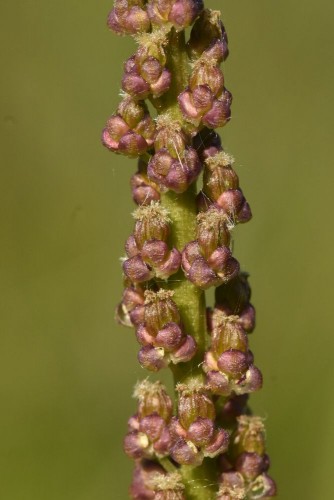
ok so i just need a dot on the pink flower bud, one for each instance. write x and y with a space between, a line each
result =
232 362
250 465
219 444
170 266
144 191
169 337
234 203
181 13
185 352
208 34
128 17
136 444
186 453
218 383
131 310
201 431
140 486
136 270
131 131
174 173
220 112
152 358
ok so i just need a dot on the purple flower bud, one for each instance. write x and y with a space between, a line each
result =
154 252
247 318
174 173
140 486
152 358
206 72
220 112
145 75
144 337
131 131
128 17
185 352
181 13
143 190
131 247
232 362
131 310
200 106
219 444
235 205
170 266
152 426
263 487
136 444
169 337
250 465
201 431
218 383
186 453
202 275
219 267
208 34
252 381
136 270
232 479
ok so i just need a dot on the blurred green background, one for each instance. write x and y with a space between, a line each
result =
67 369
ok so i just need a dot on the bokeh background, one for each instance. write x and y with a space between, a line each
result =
67 369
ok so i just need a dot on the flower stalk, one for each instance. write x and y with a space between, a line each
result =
209 446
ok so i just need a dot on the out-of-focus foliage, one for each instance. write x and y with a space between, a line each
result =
67 370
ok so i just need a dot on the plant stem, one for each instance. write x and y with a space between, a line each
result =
200 482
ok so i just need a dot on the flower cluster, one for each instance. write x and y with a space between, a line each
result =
229 362
161 333
193 432
147 250
245 466
207 261
181 246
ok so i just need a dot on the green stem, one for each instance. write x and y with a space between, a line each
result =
200 482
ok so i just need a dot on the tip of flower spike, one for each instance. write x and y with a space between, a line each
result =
221 159
163 482
151 297
145 389
155 211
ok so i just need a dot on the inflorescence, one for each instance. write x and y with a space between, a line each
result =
212 430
